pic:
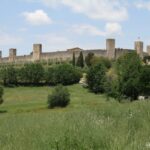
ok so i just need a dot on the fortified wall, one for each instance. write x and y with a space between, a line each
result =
110 52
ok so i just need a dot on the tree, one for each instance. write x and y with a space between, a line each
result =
128 71
96 78
111 84
145 80
73 59
1 95
8 75
32 73
63 74
105 61
88 59
80 61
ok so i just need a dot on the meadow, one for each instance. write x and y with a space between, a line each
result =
90 122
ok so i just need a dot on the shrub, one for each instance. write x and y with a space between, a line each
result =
63 74
128 71
60 97
8 75
145 80
1 94
32 73
111 85
105 61
96 78
51 76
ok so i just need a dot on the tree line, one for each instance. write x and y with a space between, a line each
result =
127 78
35 74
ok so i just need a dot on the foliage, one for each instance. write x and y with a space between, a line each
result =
80 60
50 76
96 78
88 59
8 75
105 61
145 80
89 122
73 59
60 97
63 74
128 71
111 85
146 59
1 94
32 73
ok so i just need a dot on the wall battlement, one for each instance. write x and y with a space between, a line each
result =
110 52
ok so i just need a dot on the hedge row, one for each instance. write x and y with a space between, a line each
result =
36 74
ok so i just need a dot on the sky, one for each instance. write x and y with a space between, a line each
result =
63 24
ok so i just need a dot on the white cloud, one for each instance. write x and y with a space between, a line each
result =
38 17
109 10
53 41
143 5
86 29
113 28
8 39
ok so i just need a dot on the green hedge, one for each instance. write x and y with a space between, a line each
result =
36 74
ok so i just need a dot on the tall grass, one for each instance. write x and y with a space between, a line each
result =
88 123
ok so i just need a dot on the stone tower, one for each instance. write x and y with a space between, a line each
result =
0 54
139 48
110 47
12 54
148 50
37 50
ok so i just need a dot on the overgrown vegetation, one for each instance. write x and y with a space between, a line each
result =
127 78
35 74
60 97
89 122
96 78
63 74
80 60
1 94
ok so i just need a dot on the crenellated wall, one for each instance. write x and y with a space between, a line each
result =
110 52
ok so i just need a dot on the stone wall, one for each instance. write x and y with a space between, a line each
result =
110 52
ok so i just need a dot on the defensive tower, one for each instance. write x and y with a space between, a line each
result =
139 48
110 47
12 54
37 50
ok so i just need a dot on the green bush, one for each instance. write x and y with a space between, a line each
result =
96 78
32 73
88 59
1 94
8 75
128 71
60 97
105 61
63 74
145 81
111 85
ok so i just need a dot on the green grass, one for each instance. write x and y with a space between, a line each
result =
90 122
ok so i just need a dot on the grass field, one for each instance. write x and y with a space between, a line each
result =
90 122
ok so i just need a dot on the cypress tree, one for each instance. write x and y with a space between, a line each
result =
73 59
80 61
88 59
